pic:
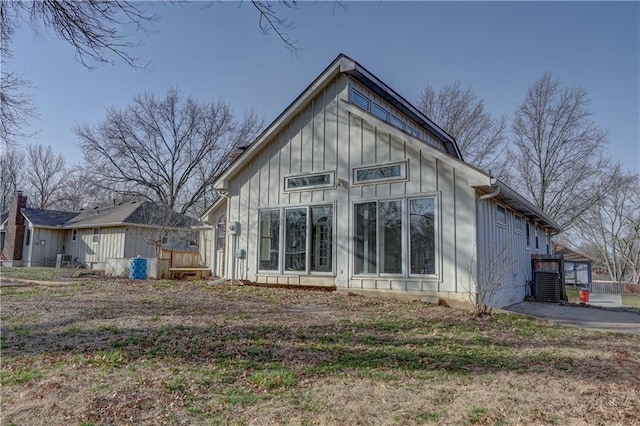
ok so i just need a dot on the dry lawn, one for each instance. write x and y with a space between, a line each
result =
90 351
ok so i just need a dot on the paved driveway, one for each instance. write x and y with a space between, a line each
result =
605 300
619 320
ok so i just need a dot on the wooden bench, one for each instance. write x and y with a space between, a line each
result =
189 273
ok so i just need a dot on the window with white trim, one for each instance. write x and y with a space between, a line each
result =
307 243
74 235
95 236
517 224
392 171
528 235
269 252
379 246
309 181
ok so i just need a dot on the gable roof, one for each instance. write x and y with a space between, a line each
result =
47 218
133 213
570 255
346 65
479 179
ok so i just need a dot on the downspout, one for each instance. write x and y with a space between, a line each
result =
490 195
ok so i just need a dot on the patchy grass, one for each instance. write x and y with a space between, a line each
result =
632 299
573 295
119 352
40 273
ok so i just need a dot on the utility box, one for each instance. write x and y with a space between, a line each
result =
548 278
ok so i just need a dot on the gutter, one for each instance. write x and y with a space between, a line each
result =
491 195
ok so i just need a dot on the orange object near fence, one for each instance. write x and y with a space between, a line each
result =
584 296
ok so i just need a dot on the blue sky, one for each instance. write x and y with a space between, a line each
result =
218 53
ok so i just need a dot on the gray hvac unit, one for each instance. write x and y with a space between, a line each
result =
63 260
546 286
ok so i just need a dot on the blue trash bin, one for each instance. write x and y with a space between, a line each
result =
138 268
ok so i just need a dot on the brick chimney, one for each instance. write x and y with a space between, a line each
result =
14 231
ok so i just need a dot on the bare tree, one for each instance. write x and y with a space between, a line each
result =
480 137
611 228
11 174
166 150
99 33
16 108
95 29
559 151
44 176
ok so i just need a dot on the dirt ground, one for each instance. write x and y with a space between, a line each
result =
98 352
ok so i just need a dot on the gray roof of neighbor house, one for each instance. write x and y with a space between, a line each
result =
134 213
47 218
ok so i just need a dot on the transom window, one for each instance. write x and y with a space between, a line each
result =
379 246
317 180
364 102
393 171
307 241
359 99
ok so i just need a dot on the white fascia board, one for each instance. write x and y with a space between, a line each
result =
475 176
505 189
222 183
219 202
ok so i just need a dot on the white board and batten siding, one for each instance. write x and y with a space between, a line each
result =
509 237
43 246
110 244
331 135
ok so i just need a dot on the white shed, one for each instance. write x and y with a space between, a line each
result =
352 187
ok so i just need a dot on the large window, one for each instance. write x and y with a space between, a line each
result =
295 241
321 238
307 243
422 236
379 247
269 240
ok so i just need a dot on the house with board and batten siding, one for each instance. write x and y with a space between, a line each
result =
352 187
88 237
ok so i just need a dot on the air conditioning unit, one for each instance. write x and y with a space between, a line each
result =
234 228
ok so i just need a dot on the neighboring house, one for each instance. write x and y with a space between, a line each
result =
577 267
36 237
352 187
